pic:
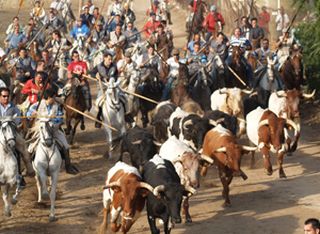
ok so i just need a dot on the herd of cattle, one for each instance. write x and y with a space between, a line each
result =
185 141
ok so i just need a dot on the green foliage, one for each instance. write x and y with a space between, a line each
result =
308 34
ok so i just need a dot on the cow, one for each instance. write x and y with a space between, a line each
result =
160 120
234 124
124 194
285 104
165 201
229 100
186 163
220 145
189 128
140 144
267 131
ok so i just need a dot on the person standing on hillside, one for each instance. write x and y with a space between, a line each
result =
264 19
282 21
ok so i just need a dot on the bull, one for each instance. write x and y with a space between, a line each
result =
123 194
165 201
220 145
186 163
267 131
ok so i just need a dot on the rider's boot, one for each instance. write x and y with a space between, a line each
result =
99 115
70 169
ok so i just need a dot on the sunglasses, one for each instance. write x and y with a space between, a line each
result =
5 96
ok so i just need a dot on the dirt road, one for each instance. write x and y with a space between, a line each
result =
262 204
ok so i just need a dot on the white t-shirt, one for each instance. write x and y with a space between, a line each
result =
174 67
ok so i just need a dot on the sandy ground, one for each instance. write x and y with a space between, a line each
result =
262 204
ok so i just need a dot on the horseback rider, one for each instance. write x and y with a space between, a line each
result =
80 30
115 9
284 44
128 14
48 107
38 12
103 71
76 70
132 35
264 52
7 109
126 68
25 66
173 63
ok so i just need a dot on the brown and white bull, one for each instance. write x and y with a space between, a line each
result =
267 131
124 195
285 104
186 163
221 145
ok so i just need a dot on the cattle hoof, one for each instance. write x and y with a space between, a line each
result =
188 220
45 197
14 201
269 172
7 213
52 219
227 204
282 175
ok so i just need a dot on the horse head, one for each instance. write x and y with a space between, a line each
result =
270 68
112 92
236 55
296 62
8 132
46 132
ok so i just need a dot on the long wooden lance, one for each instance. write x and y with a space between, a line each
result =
126 91
236 75
158 53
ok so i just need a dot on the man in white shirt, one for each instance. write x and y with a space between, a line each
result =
282 21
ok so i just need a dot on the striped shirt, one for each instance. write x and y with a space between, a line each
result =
242 42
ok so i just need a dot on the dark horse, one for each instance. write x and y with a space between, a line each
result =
195 25
179 91
237 66
151 88
292 72
76 100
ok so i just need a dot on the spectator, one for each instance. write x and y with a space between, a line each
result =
312 226
256 34
80 30
264 19
213 23
151 26
282 21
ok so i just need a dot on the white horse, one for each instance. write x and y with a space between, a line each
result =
47 162
113 112
9 174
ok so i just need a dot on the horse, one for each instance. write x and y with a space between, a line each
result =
9 173
113 113
267 79
133 102
151 88
238 67
79 45
179 91
292 72
194 26
200 88
76 100
47 162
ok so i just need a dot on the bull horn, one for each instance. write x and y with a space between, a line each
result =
281 94
116 183
215 122
136 142
306 95
188 122
146 186
249 148
157 143
223 91
253 94
221 150
158 189
176 160
263 122
207 158
241 120
191 190
294 125
246 91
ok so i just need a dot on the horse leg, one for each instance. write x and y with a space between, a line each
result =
43 186
5 196
73 132
54 181
38 187
82 126
69 127
18 190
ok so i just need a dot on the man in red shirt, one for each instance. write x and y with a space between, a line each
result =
34 87
264 19
151 25
76 69
213 23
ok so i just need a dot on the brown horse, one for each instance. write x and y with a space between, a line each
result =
252 60
292 72
179 91
238 67
76 100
